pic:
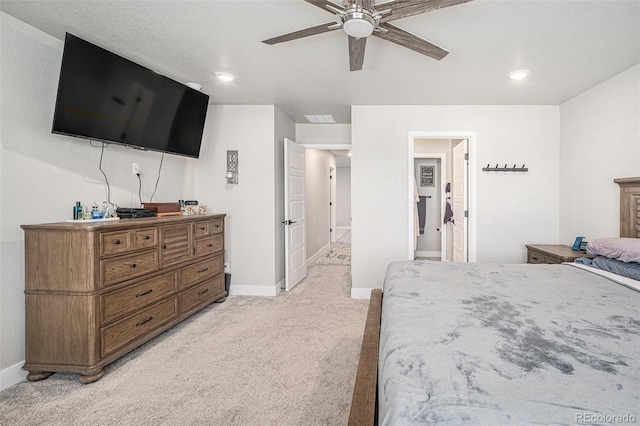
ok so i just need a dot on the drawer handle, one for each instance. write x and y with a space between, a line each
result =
202 228
209 245
203 292
146 237
116 242
164 246
203 270
144 293
217 225
144 322
133 266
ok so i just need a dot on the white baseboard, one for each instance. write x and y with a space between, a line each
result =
428 254
12 375
324 250
361 293
254 290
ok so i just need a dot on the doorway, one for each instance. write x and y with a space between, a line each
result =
430 174
326 180
442 143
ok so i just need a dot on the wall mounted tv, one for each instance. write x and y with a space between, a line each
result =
105 97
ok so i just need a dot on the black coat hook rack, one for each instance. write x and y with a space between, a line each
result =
505 169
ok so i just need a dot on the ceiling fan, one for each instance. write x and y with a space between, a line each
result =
360 19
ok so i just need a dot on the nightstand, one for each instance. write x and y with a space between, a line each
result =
552 253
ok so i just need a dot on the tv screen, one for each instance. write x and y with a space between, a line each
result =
106 97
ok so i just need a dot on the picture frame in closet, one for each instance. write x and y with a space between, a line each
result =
427 174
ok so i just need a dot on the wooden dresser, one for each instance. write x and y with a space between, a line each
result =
95 291
552 253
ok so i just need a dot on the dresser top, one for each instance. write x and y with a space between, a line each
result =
122 223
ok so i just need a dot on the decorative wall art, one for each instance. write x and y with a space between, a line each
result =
426 175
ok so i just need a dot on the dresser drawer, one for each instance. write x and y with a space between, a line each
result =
201 294
115 242
145 238
208 227
121 302
201 229
201 271
123 268
121 333
209 245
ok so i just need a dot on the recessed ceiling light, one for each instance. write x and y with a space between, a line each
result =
194 86
518 74
225 76
315 118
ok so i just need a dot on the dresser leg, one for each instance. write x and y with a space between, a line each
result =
222 299
34 376
90 378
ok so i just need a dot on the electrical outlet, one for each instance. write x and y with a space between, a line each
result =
227 269
136 168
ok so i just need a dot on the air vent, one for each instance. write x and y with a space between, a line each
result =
320 118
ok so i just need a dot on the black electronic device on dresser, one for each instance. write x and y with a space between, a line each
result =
133 213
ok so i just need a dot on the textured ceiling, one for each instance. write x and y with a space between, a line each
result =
569 46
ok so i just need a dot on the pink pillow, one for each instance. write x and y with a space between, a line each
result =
623 249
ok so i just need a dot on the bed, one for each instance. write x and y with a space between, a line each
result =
453 343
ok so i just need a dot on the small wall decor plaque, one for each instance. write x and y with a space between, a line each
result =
426 175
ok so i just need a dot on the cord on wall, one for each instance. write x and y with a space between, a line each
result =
139 188
157 180
104 145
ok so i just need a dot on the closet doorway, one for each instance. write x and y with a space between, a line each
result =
430 174
442 146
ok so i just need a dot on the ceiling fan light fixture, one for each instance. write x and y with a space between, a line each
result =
358 27
518 74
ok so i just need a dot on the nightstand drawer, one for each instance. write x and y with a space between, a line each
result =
538 258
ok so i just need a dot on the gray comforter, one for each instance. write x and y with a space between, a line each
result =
507 344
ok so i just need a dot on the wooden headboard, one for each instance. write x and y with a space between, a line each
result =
629 207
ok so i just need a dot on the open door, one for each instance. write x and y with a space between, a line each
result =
295 241
460 209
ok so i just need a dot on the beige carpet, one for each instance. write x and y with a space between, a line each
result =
286 360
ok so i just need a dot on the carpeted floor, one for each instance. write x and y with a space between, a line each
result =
285 360
338 255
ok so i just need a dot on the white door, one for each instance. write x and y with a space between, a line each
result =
459 194
332 204
294 221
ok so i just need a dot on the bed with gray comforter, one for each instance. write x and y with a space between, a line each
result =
494 344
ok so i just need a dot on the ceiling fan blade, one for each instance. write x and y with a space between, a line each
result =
405 8
410 41
356 53
322 4
319 29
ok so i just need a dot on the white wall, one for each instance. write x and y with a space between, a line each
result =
343 197
250 224
330 134
317 197
42 175
599 142
512 209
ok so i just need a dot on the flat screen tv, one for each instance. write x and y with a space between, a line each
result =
105 97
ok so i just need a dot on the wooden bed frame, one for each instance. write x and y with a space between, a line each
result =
364 405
